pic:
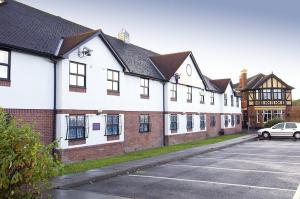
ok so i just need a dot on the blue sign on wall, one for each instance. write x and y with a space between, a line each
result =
96 126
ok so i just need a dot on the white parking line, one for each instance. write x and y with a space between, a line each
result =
232 159
214 183
231 169
297 194
253 154
266 147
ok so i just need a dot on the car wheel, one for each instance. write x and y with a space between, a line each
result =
266 135
297 135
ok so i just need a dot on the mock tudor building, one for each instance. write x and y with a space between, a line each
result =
264 97
99 95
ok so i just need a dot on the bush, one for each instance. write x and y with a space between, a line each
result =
25 163
272 122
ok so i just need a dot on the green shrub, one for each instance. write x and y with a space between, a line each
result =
272 122
25 163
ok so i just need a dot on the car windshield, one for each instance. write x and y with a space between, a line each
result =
278 126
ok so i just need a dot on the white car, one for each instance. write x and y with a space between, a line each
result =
285 129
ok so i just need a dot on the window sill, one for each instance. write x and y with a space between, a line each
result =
112 137
78 141
5 83
173 99
144 97
114 93
174 131
189 101
77 89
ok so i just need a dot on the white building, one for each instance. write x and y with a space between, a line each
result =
100 95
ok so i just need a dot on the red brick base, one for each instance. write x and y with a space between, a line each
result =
40 119
91 152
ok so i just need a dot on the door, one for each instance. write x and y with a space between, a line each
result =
278 130
290 128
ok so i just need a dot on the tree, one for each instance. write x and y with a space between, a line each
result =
25 163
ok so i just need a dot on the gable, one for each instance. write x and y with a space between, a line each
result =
189 74
272 82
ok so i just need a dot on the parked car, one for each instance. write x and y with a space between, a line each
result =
285 129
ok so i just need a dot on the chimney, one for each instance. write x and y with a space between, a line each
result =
122 35
243 78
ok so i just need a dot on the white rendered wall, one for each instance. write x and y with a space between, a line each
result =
96 97
31 83
229 108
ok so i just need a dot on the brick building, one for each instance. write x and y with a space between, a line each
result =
100 95
264 97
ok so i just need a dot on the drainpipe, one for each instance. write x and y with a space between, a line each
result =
54 100
164 111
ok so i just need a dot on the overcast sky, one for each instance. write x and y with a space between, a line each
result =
225 36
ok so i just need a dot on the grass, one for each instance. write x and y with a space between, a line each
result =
93 164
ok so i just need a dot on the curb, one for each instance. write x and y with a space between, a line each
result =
77 179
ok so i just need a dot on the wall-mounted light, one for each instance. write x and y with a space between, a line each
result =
84 52
177 77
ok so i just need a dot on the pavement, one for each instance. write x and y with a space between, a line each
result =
260 169
67 181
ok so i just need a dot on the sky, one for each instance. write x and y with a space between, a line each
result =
225 36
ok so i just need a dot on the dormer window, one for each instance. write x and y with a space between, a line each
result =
4 64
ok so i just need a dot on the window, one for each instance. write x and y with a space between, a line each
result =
113 80
225 100
226 121
277 94
202 99
189 94
189 121
238 119
76 127
144 87
278 126
202 122
4 65
77 74
144 123
232 120
232 100
174 122
237 102
290 126
212 121
266 94
267 115
112 125
277 114
212 98
174 92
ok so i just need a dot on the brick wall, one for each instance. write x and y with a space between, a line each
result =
91 152
40 119
134 140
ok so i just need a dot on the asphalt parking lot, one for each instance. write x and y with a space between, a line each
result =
258 169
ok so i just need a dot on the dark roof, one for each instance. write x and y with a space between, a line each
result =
221 84
210 85
134 58
256 81
69 43
168 64
27 28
